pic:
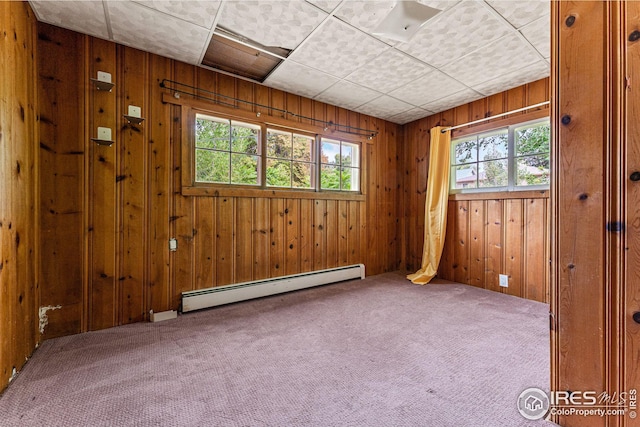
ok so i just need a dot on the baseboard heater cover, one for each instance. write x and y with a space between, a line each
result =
220 295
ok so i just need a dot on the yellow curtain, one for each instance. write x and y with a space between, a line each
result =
435 221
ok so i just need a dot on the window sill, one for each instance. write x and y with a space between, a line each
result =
501 195
280 193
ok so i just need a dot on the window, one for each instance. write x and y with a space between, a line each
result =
340 165
227 151
290 160
512 158
247 153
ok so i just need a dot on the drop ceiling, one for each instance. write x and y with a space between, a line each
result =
470 50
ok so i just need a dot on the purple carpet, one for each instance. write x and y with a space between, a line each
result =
376 352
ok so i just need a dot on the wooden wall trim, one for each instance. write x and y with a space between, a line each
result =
220 191
501 195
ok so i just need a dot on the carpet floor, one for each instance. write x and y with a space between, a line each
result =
373 352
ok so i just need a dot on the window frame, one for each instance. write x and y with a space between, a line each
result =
511 159
340 141
191 187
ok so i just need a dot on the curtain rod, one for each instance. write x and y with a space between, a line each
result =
495 117
353 130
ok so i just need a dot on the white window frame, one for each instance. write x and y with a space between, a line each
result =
511 161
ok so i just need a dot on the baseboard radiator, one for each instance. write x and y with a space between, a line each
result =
211 297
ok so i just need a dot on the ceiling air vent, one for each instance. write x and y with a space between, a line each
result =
243 57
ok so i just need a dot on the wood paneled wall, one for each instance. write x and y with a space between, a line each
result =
108 212
18 196
595 250
489 234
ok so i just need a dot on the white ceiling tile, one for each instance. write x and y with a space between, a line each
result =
298 79
501 57
454 33
275 23
389 71
521 12
430 87
338 49
156 32
326 5
347 95
539 35
452 101
410 116
384 107
86 17
199 12
516 78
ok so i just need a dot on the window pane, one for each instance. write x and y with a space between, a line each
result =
350 179
466 151
244 169
330 177
493 174
464 176
212 134
301 174
302 148
533 170
493 146
330 151
220 167
244 140
278 173
278 144
350 155
532 139
204 165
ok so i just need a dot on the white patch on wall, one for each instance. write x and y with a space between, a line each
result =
42 314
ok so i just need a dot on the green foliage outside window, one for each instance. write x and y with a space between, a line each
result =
226 151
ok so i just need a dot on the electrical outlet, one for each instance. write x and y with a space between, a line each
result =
504 281
173 245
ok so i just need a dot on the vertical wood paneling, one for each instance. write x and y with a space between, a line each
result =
277 233
244 239
159 191
292 239
261 241
513 243
131 182
461 243
307 228
181 219
319 233
224 240
580 199
493 262
205 247
476 242
331 233
534 234
61 170
632 193
343 227
102 179
18 192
